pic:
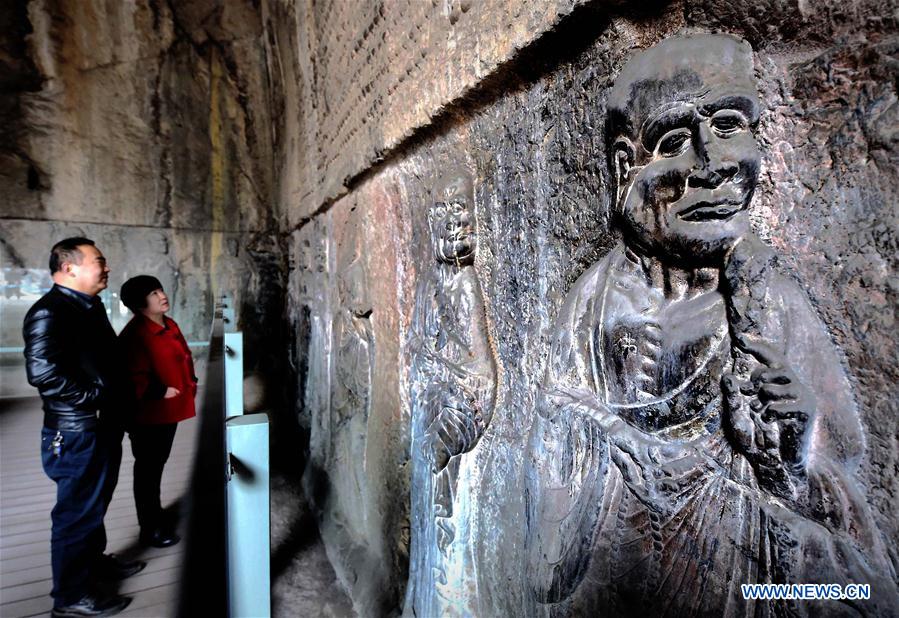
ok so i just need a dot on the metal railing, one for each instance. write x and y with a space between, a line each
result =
226 571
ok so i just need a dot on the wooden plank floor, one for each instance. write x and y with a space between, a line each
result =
27 496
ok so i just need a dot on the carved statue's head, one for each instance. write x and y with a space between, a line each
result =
451 220
683 157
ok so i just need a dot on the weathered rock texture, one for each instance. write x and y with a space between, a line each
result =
532 136
145 126
362 77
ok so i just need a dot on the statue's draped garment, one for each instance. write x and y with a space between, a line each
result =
637 500
453 368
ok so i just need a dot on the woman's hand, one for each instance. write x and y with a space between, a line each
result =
171 392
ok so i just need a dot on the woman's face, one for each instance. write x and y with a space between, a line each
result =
157 302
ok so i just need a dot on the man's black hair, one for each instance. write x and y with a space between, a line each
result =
67 251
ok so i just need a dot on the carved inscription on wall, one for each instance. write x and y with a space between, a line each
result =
452 388
695 430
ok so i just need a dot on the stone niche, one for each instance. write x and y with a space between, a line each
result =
511 409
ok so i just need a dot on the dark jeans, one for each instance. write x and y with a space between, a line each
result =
151 445
113 442
85 472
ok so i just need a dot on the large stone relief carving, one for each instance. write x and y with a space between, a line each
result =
696 430
452 388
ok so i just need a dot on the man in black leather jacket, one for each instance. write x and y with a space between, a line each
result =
72 358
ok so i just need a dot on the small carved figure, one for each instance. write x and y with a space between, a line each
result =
313 323
696 430
353 345
353 338
452 389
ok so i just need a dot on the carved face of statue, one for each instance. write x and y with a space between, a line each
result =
452 225
685 159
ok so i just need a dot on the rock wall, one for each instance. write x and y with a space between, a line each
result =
144 125
532 137
360 79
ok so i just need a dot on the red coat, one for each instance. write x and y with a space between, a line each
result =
158 357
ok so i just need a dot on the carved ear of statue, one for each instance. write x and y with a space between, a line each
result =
432 215
624 156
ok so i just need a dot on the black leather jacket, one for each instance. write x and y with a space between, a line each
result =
72 357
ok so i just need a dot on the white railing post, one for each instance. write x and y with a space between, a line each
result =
228 315
247 488
233 374
249 544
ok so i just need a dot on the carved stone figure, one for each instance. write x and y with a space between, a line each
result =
353 341
696 430
453 381
312 319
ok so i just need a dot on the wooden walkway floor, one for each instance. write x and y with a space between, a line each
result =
27 496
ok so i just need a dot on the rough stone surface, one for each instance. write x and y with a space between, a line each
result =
359 440
368 75
533 140
303 580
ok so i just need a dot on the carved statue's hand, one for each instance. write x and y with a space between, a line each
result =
453 431
440 437
769 416
783 399
756 438
630 454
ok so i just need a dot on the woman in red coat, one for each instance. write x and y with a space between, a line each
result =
162 374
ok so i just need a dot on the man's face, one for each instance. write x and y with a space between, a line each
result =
90 275
696 169
452 228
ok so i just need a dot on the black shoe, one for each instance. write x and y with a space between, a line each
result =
113 569
159 538
91 605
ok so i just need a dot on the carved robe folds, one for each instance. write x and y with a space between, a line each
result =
452 390
637 498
